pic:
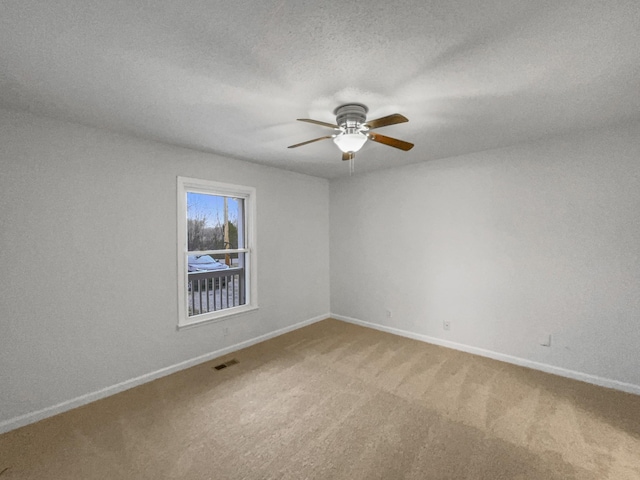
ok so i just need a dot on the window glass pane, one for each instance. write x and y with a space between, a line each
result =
214 222
213 286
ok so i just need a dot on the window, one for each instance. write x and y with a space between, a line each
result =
216 250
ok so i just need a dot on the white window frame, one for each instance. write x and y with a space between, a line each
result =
186 184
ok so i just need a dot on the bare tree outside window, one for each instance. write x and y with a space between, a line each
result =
212 222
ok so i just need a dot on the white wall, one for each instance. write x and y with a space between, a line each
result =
508 245
88 259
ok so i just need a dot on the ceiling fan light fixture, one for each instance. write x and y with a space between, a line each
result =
350 142
352 130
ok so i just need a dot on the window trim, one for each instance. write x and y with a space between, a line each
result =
209 187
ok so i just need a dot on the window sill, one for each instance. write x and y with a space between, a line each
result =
218 317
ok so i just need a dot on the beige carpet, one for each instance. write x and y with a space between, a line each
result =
338 401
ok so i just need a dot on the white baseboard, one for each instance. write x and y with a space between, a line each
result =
523 362
38 415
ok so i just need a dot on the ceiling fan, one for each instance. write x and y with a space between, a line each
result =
352 130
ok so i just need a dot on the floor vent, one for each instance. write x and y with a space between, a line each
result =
233 361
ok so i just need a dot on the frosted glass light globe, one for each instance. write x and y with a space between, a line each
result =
350 142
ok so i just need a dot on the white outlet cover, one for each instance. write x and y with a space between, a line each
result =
545 340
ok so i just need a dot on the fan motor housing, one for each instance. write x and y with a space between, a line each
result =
351 115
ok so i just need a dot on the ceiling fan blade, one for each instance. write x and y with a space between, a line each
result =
310 141
348 155
392 142
385 121
317 122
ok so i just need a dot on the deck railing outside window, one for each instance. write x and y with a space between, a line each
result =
216 290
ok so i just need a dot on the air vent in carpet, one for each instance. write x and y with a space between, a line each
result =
233 361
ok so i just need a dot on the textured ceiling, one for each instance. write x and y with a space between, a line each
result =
231 77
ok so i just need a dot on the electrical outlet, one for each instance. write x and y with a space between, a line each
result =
446 324
225 331
545 340
389 313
